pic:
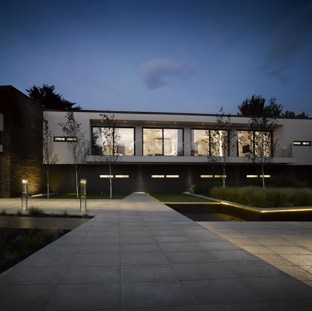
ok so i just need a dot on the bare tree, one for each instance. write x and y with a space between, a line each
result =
262 146
221 143
49 158
77 143
110 137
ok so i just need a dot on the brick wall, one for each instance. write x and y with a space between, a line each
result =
22 143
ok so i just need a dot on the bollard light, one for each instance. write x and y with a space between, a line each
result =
83 195
24 194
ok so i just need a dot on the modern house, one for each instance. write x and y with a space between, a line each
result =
154 152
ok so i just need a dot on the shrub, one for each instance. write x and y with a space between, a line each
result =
286 182
205 187
65 214
35 212
268 197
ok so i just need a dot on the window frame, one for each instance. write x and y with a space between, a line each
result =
209 150
114 146
180 148
252 143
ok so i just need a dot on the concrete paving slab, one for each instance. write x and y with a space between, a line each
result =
138 254
285 245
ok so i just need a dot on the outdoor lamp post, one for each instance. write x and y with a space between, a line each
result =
83 195
24 194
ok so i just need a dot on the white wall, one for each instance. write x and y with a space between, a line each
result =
288 130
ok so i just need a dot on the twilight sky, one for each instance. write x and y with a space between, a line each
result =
167 56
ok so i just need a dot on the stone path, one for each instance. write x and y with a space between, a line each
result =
138 254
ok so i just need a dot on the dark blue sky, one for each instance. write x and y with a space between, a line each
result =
173 55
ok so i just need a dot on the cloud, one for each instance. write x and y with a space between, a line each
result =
155 72
290 37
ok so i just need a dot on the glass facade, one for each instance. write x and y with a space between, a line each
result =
244 143
107 141
200 142
162 142
258 142
209 142
219 143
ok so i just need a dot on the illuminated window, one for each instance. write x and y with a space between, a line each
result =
172 176
258 143
200 142
206 176
210 142
258 176
219 176
265 176
301 143
121 176
219 144
106 176
162 142
158 176
107 141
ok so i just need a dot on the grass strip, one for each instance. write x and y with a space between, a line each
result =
177 197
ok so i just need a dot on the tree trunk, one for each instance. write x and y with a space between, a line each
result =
263 180
110 181
48 182
76 177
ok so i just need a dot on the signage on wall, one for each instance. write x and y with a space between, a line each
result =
66 139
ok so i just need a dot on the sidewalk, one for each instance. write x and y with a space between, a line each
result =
138 254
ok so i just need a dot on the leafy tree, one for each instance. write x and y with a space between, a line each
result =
302 115
261 126
78 145
288 114
49 99
291 114
221 143
48 155
255 106
110 137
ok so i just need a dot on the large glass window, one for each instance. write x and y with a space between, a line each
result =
257 142
160 141
118 140
219 143
200 142
212 143
244 143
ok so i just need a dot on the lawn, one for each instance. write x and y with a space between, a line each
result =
177 197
